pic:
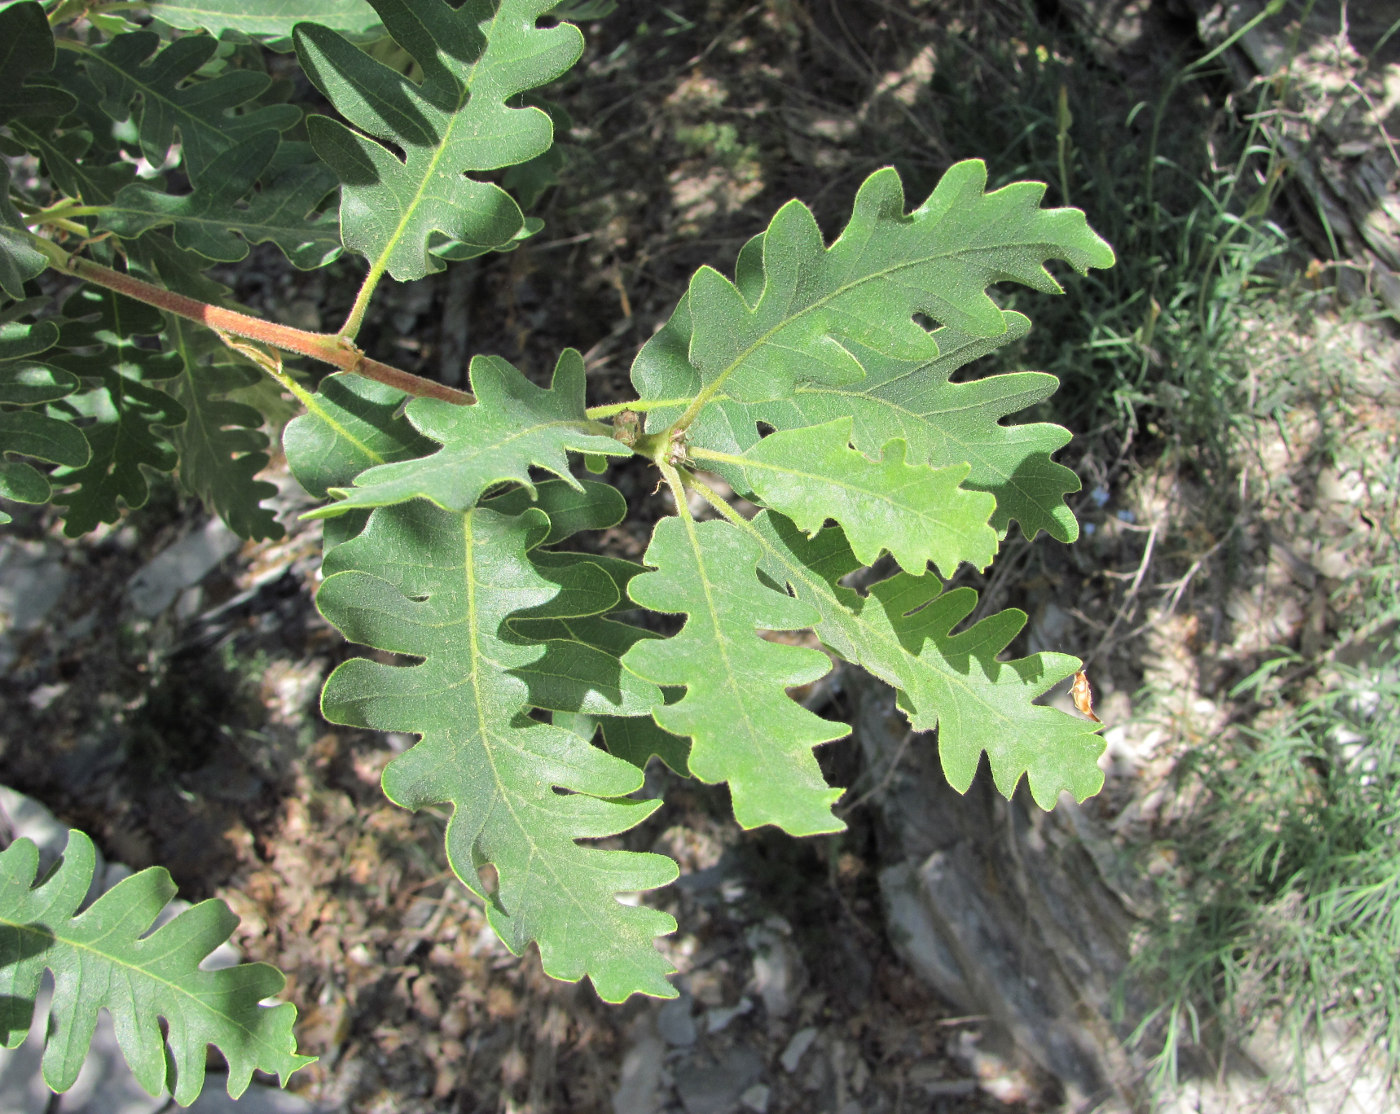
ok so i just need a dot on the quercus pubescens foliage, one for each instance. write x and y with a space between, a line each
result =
106 957
809 382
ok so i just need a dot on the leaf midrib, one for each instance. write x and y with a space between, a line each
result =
971 452
173 988
709 391
537 854
881 493
381 263
821 587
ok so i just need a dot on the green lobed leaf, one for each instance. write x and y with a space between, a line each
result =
27 384
71 161
35 435
20 261
946 423
475 60
439 585
743 726
21 335
221 445
351 424
102 958
589 584
455 251
271 19
130 71
572 507
30 433
634 739
896 385
884 268
25 381
214 222
21 482
513 426
571 675
639 739
901 631
579 668
917 513
27 47
942 423
121 413
82 151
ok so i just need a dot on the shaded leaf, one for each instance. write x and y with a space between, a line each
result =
351 424
82 151
68 157
27 47
574 676
102 959
638 740
22 483
571 507
213 220
30 433
271 19
634 739
21 336
26 382
120 415
35 435
221 444
580 669
132 74
19 259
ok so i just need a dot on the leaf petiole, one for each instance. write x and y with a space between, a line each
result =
355 318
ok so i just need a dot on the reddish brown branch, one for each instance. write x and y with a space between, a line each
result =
327 347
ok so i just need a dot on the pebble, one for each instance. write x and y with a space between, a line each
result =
797 1048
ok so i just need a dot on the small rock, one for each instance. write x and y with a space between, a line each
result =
716 1019
797 1048
32 581
675 1023
756 1098
182 565
777 968
640 1076
714 1087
